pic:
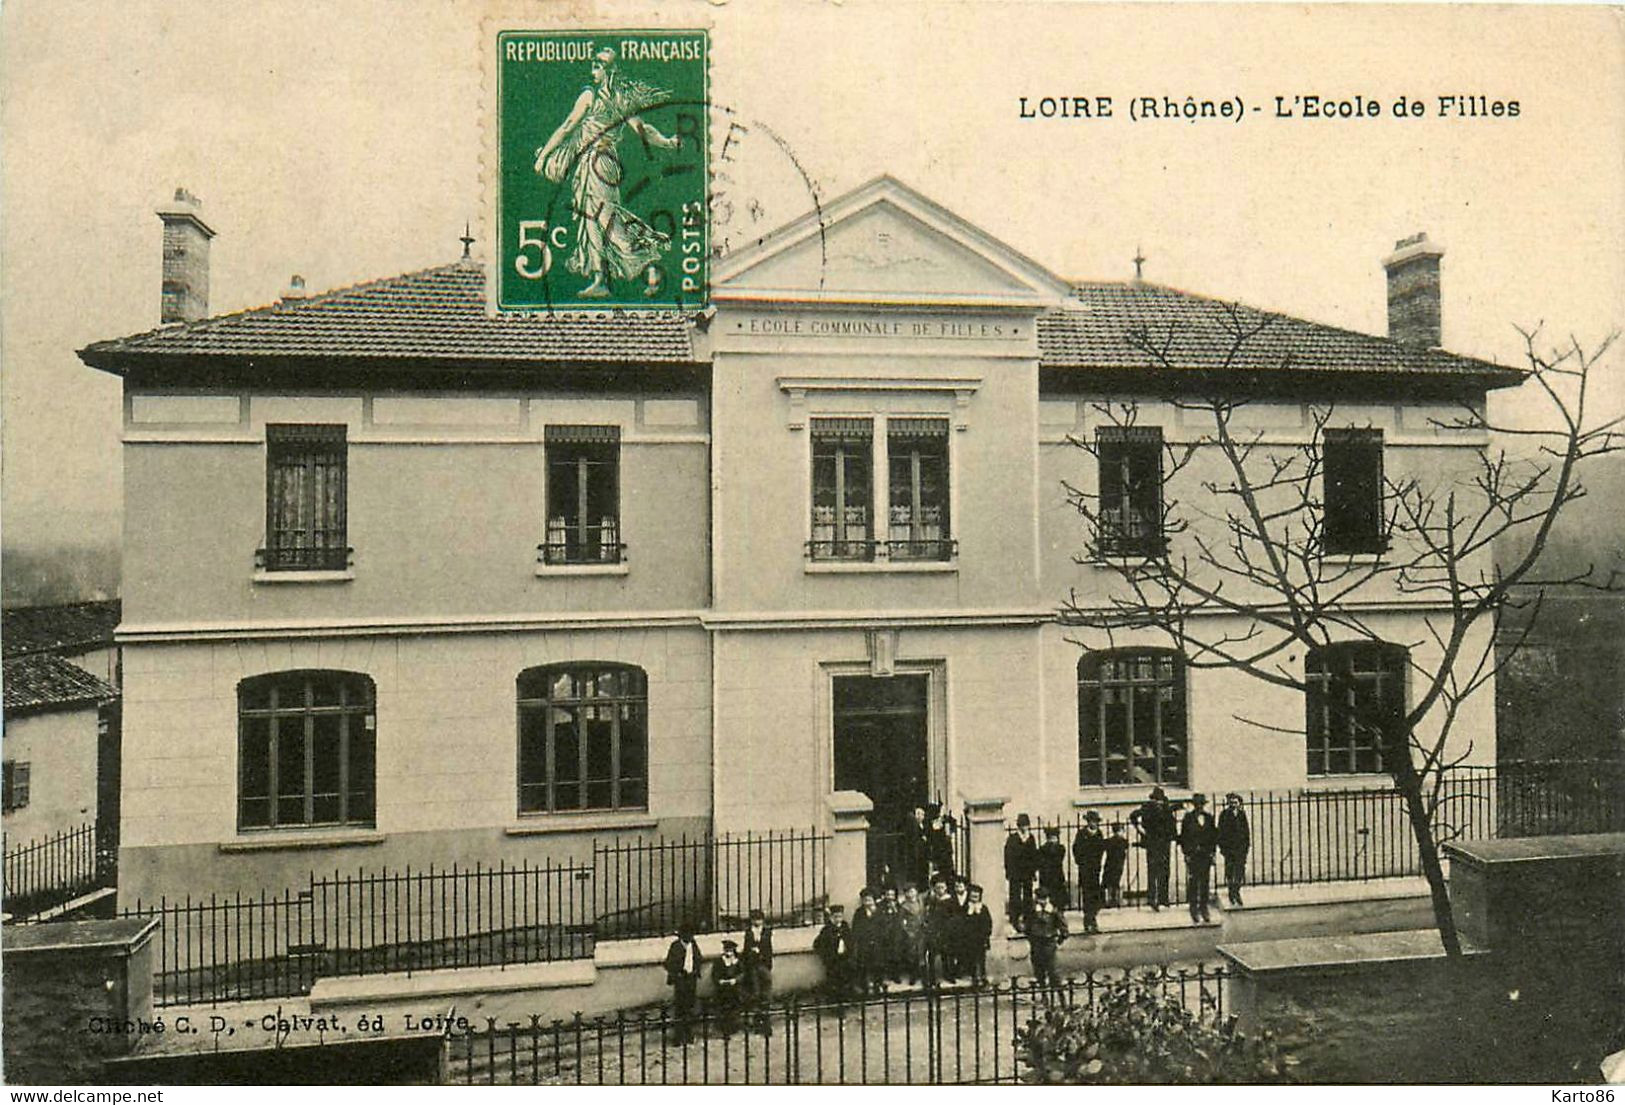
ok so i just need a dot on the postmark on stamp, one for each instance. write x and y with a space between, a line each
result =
603 176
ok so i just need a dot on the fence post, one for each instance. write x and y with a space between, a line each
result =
985 817
846 865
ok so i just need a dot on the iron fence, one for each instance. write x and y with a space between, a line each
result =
46 873
1355 834
712 882
957 1035
246 946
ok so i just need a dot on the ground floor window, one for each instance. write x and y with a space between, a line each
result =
306 750
583 738
1131 718
1354 695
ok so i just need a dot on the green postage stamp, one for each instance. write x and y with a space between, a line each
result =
603 169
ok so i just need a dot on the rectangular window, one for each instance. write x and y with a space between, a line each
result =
1353 491
1354 698
307 750
16 784
1131 718
583 739
583 495
917 450
843 489
305 492
1130 490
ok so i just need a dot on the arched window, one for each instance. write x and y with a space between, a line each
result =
306 750
1131 717
1355 692
583 738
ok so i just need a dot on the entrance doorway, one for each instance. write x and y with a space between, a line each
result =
881 735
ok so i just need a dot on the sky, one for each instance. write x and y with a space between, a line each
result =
347 141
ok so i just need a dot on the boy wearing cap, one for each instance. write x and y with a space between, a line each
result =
1235 838
1052 867
833 946
1198 838
1088 852
683 966
978 934
1020 865
1111 875
1046 930
868 944
757 958
727 977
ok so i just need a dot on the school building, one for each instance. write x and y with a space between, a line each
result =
406 582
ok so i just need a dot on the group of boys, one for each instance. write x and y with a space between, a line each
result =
938 937
1100 861
742 979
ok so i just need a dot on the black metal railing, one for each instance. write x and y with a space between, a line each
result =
935 548
239 947
1301 836
899 857
46 873
305 559
583 545
842 550
954 1035
649 887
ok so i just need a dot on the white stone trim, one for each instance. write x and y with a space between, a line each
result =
283 840
619 568
547 824
156 632
867 567
344 576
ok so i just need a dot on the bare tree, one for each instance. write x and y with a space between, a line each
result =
1245 569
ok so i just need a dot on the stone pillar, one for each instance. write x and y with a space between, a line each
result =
846 867
987 834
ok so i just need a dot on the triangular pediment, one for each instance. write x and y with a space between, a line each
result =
885 243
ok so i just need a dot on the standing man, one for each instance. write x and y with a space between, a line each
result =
1235 838
1198 839
1046 931
1088 852
1020 865
916 849
1155 822
869 945
757 958
683 965
940 844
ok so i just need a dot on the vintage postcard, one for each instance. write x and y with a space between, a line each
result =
990 543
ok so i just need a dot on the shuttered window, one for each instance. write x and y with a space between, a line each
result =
917 453
1352 471
843 489
16 784
305 499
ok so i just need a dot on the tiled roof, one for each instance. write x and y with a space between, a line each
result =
36 682
67 627
1134 325
435 314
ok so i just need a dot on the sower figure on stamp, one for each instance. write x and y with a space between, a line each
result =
610 240
758 960
1155 821
1046 932
683 966
1088 852
1198 839
1235 839
728 979
1020 865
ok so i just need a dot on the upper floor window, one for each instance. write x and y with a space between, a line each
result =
842 489
16 784
583 738
1131 718
1352 472
306 750
917 453
1130 490
305 510
1354 697
583 495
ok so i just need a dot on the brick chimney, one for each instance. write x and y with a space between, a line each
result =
1413 291
186 259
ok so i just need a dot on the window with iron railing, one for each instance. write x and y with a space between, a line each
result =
305 499
583 738
1130 506
583 496
842 489
917 453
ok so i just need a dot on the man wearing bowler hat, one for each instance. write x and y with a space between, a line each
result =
1155 821
1198 839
